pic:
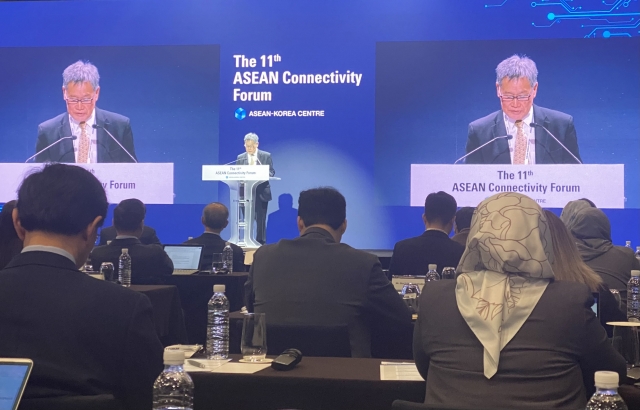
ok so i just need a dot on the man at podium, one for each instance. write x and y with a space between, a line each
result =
254 156
85 133
539 135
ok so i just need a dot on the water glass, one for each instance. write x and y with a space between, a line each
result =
254 337
625 341
107 269
217 266
449 273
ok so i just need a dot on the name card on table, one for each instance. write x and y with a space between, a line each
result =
552 186
150 183
235 172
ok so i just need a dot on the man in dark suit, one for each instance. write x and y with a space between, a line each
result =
253 156
149 263
462 224
215 217
85 336
316 280
80 90
149 235
517 86
414 255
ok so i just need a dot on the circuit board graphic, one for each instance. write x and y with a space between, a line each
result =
591 18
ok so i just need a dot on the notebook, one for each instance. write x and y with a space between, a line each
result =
14 374
185 258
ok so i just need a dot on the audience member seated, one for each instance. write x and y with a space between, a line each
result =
568 266
149 263
414 255
592 231
10 244
316 280
86 337
148 237
462 224
215 217
505 334
572 207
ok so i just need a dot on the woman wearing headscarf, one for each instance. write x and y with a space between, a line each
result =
568 265
592 230
505 335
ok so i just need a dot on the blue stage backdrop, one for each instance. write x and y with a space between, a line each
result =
172 66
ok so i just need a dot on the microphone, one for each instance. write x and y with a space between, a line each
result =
533 124
508 137
71 137
96 126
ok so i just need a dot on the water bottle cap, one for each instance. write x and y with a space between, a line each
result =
173 356
218 288
628 242
433 266
607 380
125 250
635 273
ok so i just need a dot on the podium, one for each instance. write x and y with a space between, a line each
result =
242 181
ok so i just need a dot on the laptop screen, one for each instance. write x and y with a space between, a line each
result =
184 257
13 379
596 303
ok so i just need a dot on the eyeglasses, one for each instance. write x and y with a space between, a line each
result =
83 101
509 98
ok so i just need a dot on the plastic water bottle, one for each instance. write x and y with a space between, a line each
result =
633 297
606 396
173 389
627 244
124 268
218 325
432 274
227 258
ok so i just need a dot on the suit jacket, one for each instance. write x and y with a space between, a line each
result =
85 336
315 281
149 263
412 256
58 127
461 237
548 151
149 236
263 190
549 363
213 243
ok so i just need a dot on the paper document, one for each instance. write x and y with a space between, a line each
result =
209 365
399 371
223 366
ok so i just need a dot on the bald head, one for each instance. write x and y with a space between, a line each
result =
215 217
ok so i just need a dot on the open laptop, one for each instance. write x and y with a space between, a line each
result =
185 258
14 374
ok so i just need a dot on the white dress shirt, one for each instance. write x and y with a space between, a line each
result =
256 161
52 249
91 133
529 133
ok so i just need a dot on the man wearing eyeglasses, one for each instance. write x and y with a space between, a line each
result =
517 86
87 123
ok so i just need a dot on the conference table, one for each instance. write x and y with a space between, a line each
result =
195 292
317 383
167 312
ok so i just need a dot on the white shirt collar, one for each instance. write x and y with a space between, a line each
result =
126 237
90 121
436 229
50 249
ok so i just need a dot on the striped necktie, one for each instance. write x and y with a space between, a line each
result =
520 151
83 147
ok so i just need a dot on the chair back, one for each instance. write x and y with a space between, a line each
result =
407 405
311 340
98 402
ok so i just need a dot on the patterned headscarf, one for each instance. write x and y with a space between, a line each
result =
504 271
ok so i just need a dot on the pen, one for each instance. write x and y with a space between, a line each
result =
196 364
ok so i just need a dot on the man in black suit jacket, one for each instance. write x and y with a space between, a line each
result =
148 237
413 256
253 156
215 217
517 86
316 280
85 336
149 263
80 91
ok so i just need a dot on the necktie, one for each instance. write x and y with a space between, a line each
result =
520 151
252 162
83 147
